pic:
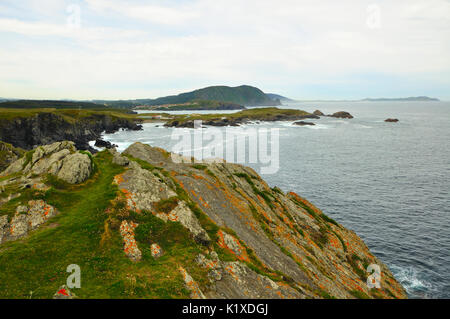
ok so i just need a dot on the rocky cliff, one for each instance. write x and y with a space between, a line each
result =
28 130
140 225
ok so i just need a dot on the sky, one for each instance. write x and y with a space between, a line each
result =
303 49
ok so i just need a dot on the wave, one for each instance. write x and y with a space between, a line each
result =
411 280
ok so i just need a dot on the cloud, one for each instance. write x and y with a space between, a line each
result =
129 49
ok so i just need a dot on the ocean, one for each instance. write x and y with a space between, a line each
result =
389 182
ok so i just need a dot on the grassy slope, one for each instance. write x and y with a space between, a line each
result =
38 262
200 105
244 95
253 114
69 114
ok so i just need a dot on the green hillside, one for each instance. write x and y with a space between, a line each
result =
244 95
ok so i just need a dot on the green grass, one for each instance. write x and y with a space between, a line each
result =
268 198
70 115
38 262
166 205
260 114
359 294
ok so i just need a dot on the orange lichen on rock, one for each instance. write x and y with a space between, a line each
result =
191 285
130 246
233 245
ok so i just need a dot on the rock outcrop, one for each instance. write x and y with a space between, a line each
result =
342 115
59 159
303 123
318 113
391 120
26 219
210 230
282 233
8 154
43 128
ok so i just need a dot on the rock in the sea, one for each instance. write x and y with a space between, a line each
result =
391 120
76 168
104 144
303 123
342 115
309 116
318 113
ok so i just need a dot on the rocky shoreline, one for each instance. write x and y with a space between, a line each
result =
215 230
27 132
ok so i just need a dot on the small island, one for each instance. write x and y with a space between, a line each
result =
269 114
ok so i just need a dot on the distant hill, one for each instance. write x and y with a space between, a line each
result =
406 99
37 104
194 106
279 97
243 95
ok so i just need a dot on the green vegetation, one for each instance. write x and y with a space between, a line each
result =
8 153
38 104
201 105
36 265
254 114
166 205
354 261
268 198
243 95
70 115
359 294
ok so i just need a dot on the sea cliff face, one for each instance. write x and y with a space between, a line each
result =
43 128
143 225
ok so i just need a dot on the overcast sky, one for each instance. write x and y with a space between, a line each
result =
303 49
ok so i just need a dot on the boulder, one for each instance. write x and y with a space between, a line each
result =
342 115
391 120
39 212
153 155
156 250
26 218
118 159
302 123
130 246
14 167
75 169
104 144
47 150
318 113
50 164
183 214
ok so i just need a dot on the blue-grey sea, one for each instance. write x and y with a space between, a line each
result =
389 182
